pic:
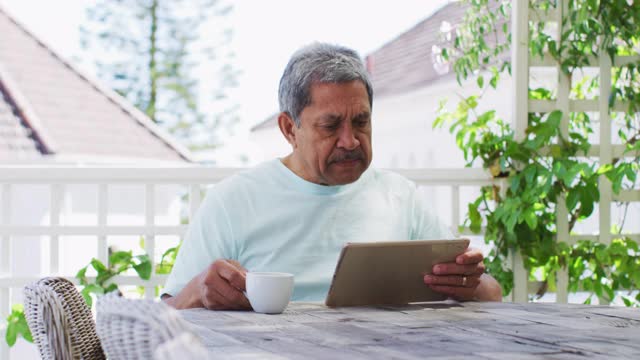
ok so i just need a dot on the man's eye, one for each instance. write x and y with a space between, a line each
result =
331 127
362 123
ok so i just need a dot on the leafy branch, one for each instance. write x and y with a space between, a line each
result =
119 262
17 326
547 166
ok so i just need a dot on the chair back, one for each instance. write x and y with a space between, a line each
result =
135 329
60 320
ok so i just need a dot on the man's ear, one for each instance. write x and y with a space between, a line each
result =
288 128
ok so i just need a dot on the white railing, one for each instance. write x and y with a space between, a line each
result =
58 179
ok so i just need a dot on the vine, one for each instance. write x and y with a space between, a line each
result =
547 167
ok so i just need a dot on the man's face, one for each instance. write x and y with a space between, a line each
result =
333 143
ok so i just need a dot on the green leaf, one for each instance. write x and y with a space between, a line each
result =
17 326
610 295
445 54
120 258
12 335
98 265
572 199
480 81
82 276
515 183
529 174
476 219
23 330
471 102
601 254
597 288
556 150
531 219
586 202
554 118
617 248
91 289
112 287
636 279
144 267
512 218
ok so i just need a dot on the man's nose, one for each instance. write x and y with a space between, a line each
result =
346 138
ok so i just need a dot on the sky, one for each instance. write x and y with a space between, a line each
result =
266 33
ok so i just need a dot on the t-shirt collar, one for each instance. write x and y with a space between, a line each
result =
308 187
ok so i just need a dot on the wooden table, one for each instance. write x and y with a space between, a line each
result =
447 330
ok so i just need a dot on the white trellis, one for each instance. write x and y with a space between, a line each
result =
605 151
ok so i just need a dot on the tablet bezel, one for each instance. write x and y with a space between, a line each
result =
359 280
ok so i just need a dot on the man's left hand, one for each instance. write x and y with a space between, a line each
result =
461 279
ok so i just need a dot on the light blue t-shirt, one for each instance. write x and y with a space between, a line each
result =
269 219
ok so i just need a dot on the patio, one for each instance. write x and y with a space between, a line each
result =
192 179
533 330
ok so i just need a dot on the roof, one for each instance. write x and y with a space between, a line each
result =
61 111
17 140
267 123
408 62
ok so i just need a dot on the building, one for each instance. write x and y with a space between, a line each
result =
53 114
409 81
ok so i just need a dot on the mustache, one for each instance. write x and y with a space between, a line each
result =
347 155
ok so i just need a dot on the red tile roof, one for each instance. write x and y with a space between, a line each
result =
67 113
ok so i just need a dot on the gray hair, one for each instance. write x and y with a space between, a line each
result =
318 63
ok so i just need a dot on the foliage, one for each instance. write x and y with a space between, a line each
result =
151 53
167 260
119 262
548 167
17 326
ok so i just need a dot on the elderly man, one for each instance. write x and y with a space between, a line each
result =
294 214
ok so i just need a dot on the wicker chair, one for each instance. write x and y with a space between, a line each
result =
135 329
60 320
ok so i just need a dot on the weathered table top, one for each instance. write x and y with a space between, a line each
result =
440 330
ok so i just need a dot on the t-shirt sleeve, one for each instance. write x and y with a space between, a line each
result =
427 226
208 238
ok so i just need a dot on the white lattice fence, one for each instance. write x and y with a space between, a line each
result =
604 152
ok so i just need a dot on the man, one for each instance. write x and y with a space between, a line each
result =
294 214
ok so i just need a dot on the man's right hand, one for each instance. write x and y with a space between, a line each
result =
219 287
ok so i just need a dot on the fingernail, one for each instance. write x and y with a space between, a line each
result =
437 269
428 278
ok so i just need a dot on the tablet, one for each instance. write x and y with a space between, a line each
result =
376 273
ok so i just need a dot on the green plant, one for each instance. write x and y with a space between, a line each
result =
119 262
17 326
167 260
548 166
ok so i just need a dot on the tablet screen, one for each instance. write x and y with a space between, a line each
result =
389 272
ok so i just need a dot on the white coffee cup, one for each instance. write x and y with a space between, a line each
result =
269 292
